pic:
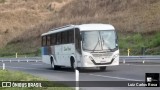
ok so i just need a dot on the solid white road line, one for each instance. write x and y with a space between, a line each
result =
140 65
23 67
115 77
31 68
37 64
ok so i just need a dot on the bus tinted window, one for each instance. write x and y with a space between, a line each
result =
71 36
53 39
78 40
58 38
44 41
64 37
48 40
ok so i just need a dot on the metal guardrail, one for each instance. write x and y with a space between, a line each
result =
143 59
140 57
155 59
28 59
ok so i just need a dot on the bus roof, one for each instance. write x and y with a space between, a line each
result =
82 27
88 27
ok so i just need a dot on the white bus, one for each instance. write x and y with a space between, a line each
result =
86 45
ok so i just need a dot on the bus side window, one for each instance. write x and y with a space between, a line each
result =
43 40
53 39
78 40
71 36
48 40
64 37
58 38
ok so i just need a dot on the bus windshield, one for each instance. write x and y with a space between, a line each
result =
99 40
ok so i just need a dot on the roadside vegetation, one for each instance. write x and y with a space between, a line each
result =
6 75
23 21
140 44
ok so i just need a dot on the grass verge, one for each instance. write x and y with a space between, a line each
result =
6 75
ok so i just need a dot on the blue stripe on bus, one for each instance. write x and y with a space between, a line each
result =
44 51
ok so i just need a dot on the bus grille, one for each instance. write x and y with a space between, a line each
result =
102 54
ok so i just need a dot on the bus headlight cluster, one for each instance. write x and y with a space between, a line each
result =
115 56
86 56
91 58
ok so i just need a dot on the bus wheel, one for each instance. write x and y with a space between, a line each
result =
52 64
102 68
73 67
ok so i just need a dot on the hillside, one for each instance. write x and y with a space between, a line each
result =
23 21
17 16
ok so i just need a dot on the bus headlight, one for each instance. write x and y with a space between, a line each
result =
86 56
115 56
91 58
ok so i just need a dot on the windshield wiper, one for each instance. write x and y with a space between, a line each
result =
96 45
97 42
105 45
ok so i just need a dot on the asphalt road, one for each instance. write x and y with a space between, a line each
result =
123 72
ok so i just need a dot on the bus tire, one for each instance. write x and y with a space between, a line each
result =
53 66
73 67
102 68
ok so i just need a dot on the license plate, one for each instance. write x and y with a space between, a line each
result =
102 61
